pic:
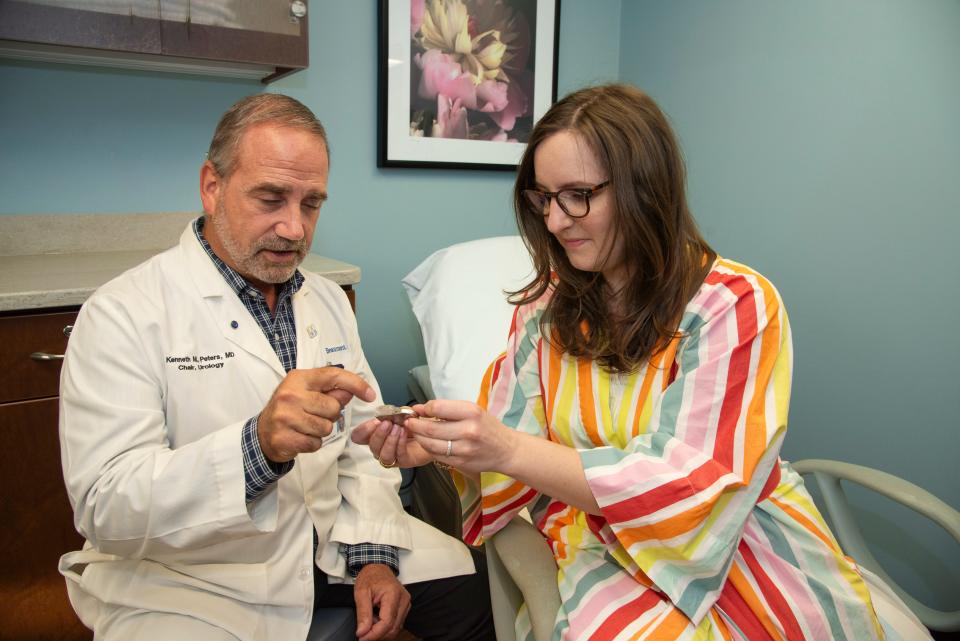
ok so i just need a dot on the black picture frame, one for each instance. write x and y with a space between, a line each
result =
429 116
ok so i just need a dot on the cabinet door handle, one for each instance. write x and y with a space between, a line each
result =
43 356
67 330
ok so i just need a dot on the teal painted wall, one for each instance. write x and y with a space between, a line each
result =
824 150
823 143
83 140
77 139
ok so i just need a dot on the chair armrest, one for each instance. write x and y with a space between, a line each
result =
521 551
830 473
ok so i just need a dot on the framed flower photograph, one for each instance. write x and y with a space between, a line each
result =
461 82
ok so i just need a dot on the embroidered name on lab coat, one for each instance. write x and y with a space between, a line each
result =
197 362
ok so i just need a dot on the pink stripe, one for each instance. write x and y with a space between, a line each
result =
789 579
619 587
699 432
645 468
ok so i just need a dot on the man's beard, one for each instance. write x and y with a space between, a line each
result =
249 261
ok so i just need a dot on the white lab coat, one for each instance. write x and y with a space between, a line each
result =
164 367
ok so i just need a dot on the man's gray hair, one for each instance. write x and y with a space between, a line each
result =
252 110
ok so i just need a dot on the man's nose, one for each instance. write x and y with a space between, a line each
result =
292 225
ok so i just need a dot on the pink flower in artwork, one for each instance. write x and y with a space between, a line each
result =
491 96
516 103
443 75
471 77
416 16
451 119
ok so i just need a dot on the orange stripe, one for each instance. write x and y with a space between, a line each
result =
588 411
643 630
802 519
484 398
671 527
755 436
721 625
671 626
560 522
667 355
642 400
502 497
755 440
738 580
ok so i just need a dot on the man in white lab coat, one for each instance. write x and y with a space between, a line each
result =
205 398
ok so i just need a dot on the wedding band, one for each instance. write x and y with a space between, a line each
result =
392 464
449 448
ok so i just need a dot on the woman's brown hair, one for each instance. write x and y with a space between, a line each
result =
666 257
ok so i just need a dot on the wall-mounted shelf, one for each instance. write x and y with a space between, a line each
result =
263 40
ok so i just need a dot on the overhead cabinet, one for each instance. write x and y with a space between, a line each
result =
236 38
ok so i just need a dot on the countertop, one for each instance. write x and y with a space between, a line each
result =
59 260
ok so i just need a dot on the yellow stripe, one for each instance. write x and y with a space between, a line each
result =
553 374
627 403
781 374
563 402
607 426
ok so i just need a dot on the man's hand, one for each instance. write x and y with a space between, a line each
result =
304 408
377 586
390 442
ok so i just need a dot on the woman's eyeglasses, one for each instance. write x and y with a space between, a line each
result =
574 202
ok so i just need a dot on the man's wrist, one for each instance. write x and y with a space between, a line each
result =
360 555
259 472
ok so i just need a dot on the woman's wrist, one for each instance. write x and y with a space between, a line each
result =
511 459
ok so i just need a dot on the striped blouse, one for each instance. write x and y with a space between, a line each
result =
704 533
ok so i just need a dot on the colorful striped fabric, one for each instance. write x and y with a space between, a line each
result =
705 533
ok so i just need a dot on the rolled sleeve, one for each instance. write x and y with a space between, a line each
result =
259 473
362 554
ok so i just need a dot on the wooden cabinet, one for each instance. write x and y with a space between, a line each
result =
38 521
264 39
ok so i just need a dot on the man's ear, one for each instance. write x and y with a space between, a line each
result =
211 185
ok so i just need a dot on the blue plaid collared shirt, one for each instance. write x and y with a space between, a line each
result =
281 331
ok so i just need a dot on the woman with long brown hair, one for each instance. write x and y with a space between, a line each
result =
640 406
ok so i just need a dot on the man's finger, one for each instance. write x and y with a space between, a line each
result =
307 443
316 426
387 453
364 602
361 434
327 379
387 608
323 406
340 396
380 630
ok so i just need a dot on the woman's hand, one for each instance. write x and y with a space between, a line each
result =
465 436
390 444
